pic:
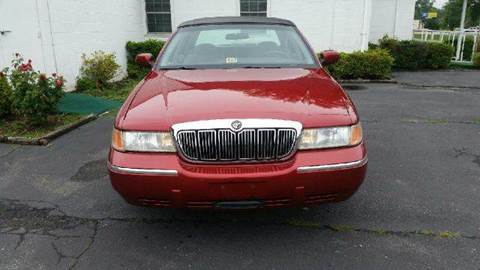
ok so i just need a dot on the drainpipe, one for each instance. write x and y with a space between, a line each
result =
366 25
54 53
40 34
462 30
395 22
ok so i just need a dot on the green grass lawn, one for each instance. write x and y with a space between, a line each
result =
118 91
11 127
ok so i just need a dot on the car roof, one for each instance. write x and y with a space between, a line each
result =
236 20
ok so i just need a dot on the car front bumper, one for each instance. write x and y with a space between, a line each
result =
309 177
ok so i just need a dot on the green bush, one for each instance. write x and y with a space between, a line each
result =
6 96
84 84
415 55
438 56
476 60
99 67
133 48
467 50
372 64
35 95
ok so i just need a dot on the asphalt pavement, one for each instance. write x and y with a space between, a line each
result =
419 207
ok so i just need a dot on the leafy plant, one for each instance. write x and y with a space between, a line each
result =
84 84
133 48
415 55
372 64
6 95
476 60
35 95
99 67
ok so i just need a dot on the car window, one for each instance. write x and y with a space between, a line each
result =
237 45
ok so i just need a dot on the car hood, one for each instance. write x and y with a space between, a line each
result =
176 96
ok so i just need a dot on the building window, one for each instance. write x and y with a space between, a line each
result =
253 8
158 16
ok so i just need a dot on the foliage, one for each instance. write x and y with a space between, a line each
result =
372 64
133 48
415 55
84 84
453 13
467 49
35 95
422 6
476 60
118 91
99 67
438 55
6 96
12 127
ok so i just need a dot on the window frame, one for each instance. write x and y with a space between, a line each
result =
158 12
267 10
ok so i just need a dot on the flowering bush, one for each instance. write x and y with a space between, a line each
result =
5 96
34 95
99 67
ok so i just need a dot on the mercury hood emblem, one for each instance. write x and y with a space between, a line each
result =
236 125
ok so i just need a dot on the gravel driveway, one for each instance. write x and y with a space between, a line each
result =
418 209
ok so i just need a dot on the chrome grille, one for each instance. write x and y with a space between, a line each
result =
222 145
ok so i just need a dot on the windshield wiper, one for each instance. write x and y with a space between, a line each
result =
257 67
178 68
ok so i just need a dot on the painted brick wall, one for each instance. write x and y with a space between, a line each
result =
73 27
83 26
392 17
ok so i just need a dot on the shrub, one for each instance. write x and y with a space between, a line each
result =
99 67
415 55
84 84
35 95
438 56
476 60
372 64
6 95
133 48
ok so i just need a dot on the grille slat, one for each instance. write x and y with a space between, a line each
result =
252 144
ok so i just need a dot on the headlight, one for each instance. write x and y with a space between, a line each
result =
331 137
142 141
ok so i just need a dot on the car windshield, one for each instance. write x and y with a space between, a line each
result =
237 46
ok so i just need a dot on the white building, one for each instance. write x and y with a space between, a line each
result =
54 33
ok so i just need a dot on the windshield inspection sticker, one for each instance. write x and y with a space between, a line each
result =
231 60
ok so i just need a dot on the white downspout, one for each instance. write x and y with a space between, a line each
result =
395 22
40 35
54 53
367 6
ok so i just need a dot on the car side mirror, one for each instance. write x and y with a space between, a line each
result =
329 57
144 59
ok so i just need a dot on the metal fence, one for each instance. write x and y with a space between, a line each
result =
469 41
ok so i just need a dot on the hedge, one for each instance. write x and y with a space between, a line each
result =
133 48
476 60
415 55
375 64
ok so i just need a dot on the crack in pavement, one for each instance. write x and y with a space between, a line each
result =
77 221
459 152
10 151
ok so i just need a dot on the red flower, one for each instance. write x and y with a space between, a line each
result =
42 77
59 83
25 67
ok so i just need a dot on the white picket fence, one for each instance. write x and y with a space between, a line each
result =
451 37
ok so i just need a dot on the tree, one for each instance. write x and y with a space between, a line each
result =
423 6
453 13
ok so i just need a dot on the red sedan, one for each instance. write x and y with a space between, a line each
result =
237 113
